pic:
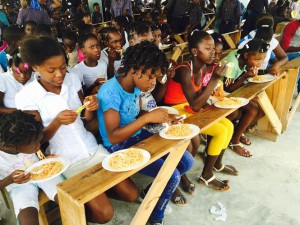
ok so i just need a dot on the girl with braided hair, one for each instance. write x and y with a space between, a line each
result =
18 75
53 97
20 136
119 108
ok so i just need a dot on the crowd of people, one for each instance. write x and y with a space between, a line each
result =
57 56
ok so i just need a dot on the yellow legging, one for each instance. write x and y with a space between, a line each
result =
221 132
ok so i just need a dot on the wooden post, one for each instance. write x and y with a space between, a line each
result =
159 184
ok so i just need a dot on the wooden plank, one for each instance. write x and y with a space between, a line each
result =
209 23
291 81
295 63
42 216
159 184
294 109
270 113
229 41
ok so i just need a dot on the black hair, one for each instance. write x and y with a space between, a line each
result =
30 23
106 31
254 46
218 38
19 128
95 4
43 29
69 35
14 58
83 38
123 21
280 10
84 14
36 50
264 26
196 37
139 28
13 34
146 55
155 27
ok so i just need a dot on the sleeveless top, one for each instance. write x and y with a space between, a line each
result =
174 94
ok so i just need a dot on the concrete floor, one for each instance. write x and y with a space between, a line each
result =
265 193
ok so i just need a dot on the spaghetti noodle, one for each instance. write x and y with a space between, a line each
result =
128 158
47 170
219 93
179 130
259 78
231 101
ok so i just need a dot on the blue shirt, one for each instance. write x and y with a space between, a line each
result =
112 96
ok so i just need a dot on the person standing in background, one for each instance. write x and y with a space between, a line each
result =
229 16
177 18
253 11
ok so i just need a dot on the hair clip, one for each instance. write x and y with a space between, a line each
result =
19 55
26 66
18 70
194 31
8 56
265 25
247 46
219 39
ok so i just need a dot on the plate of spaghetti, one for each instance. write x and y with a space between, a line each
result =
125 160
261 78
231 102
47 169
180 131
169 109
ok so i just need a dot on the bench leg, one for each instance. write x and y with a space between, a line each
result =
42 216
159 184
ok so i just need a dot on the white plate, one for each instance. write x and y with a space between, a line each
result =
56 159
196 130
170 109
244 102
268 76
106 166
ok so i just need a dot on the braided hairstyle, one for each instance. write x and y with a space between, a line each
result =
196 37
254 46
19 128
146 55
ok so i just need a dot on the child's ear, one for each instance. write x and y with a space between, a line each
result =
194 52
246 55
35 68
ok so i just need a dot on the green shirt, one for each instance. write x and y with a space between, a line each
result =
233 59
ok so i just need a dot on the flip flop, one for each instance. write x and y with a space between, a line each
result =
245 152
207 183
227 169
179 200
245 140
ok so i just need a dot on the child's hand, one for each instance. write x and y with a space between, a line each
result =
171 69
220 70
100 81
66 117
252 72
112 55
91 103
19 177
274 70
158 116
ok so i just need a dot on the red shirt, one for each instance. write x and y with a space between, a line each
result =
288 34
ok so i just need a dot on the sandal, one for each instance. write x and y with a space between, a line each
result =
245 140
189 189
179 200
244 152
227 169
208 183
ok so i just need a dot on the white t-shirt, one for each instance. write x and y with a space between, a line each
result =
72 142
273 44
104 57
91 74
10 87
9 163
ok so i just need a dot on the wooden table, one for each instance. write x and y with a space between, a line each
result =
76 191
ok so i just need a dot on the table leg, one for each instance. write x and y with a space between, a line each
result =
159 184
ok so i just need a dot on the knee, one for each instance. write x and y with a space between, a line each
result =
100 213
188 161
174 180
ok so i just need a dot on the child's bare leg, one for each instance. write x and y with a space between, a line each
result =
28 216
99 209
249 113
127 190
195 142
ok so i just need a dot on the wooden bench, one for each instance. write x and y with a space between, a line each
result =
76 191
232 38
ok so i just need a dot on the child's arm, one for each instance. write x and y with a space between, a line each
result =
3 109
17 176
282 60
112 54
117 134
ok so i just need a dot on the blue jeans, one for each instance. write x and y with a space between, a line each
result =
152 170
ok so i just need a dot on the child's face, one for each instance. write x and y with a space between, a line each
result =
94 31
69 45
218 52
205 51
86 19
29 30
157 37
146 81
91 49
96 8
115 41
21 74
116 25
134 39
148 17
53 31
30 148
146 37
255 59
52 71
